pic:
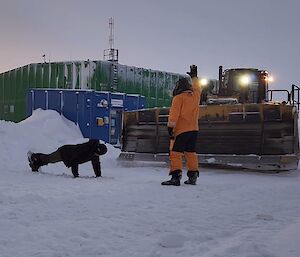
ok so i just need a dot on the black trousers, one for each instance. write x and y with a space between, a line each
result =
185 142
51 158
56 157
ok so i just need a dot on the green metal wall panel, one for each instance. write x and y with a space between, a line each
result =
12 93
77 76
155 85
38 74
61 76
146 84
32 76
1 94
130 81
46 73
25 77
53 75
122 77
160 89
19 99
105 76
96 77
6 96
69 75
137 81
93 76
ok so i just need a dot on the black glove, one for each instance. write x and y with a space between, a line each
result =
96 166
193 71
74 169
170 131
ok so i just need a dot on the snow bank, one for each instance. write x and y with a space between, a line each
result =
44 132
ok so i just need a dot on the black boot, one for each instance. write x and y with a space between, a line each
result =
192 177
35 161
175 179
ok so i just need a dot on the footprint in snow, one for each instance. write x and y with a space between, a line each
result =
264 217
172 240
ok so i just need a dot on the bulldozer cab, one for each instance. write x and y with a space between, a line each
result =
247 85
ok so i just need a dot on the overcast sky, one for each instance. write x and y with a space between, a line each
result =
162 35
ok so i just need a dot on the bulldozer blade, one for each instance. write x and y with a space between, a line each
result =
266 163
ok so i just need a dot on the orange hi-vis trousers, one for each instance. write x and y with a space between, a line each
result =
176 161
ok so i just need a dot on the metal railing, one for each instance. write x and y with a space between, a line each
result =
271 91
295 96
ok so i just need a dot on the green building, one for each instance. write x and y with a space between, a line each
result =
155 85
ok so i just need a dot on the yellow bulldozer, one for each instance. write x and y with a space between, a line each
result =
240 125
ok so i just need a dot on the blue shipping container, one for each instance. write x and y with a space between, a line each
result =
97 113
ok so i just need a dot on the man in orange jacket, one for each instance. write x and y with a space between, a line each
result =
183 129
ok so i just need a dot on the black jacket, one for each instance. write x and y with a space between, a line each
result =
73 155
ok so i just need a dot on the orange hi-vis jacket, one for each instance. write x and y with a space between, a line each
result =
184 111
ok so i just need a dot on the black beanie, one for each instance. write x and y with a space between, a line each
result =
101 149
181 86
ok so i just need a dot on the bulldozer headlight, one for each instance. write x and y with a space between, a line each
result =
245 80
203 82
270 79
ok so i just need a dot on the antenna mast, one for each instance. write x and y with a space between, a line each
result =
111 54
111 33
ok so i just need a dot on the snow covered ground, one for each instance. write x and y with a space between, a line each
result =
128 213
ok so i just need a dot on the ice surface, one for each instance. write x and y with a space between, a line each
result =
211 160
